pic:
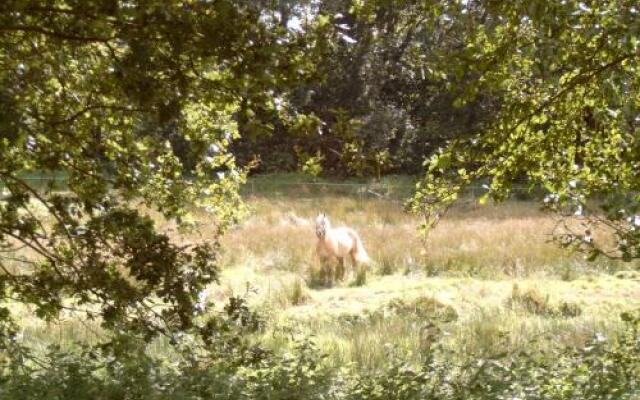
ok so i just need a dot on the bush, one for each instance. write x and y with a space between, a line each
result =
530 300
604 369
425 307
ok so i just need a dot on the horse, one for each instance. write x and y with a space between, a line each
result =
338 243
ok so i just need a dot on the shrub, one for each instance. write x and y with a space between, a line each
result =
529 300
604 369
425 307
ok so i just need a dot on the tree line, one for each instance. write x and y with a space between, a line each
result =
374 103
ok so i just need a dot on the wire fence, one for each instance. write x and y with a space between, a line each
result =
397 192
384 191
319 189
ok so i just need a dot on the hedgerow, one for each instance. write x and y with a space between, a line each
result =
607 368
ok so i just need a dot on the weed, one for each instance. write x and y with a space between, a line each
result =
569 309
292 293
529 300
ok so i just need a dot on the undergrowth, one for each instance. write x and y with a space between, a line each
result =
604 369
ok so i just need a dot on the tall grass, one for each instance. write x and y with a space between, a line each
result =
494 241
469 265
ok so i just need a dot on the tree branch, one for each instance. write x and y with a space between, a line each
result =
86 109
56 34
576 81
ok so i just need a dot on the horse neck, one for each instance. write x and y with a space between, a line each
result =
328 233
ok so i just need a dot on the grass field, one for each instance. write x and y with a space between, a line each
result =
487 281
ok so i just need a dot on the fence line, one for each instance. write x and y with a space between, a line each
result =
388 191
42 178
396 193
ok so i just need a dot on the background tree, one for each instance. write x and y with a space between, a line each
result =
376 105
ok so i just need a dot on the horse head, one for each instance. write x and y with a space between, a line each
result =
322 224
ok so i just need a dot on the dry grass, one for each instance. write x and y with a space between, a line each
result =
470 265
468 269
503 241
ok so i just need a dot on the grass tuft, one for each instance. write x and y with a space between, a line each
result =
530 300
360 278
291 293
569 309
424 307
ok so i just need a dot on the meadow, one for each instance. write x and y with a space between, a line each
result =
488 284
487 281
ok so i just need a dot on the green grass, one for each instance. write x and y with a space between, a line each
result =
471 264
294 185
491 266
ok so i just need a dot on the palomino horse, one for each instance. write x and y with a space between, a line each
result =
338 243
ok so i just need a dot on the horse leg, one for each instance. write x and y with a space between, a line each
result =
325 269
358 268
340 269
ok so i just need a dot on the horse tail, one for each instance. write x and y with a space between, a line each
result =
359 253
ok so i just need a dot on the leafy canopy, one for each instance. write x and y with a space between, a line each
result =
136 102
568 81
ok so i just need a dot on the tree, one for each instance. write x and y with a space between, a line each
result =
567 77
373 105
137 102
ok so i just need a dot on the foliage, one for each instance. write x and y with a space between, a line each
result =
566 74
138 103
313 165
603 369
372 105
